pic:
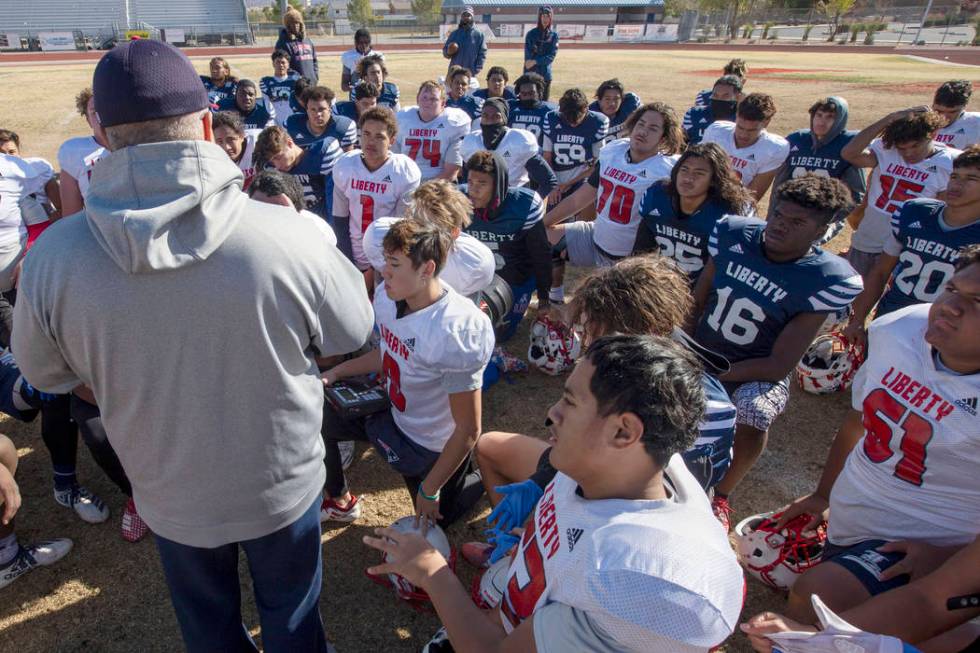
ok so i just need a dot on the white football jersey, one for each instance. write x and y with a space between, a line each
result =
469 267
247 163
77 157
893 182
765 155
322 225
351 58
652 575
516 147
428 355
914 474
18 179
622 185
964 132
432 144
364 195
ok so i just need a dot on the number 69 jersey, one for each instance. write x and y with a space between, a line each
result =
573 148
428 355
914 473
650 575
753 299
431 144
622 186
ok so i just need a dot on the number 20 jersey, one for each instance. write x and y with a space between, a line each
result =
914 473
753 299
432 144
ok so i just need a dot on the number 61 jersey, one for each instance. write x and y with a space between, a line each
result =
914 473
753 299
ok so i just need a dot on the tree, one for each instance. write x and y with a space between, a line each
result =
834 9
427 11
360 12
735 8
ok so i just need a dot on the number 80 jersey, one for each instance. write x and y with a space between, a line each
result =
753 299
914 473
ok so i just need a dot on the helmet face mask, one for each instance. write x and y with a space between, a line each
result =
554 346
829 364
778 558
489 586
405 590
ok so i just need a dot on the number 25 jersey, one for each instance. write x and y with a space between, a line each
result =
914 473
753 299
432 144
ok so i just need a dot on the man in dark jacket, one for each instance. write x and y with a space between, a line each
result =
541 47
302 53
466 45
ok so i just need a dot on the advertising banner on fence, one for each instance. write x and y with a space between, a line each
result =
10 40
446 30
661 33
596 32
570 32
56 40
174 35
510 30
628 32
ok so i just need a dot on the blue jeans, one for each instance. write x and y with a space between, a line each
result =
286 573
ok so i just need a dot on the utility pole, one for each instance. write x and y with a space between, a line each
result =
284 6
922 22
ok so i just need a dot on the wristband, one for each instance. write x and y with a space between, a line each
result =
434 497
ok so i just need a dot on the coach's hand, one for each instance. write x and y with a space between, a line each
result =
517 503
813 505
920 559
902 113
408 554
10 494
766 623
529 64
856 334
426 513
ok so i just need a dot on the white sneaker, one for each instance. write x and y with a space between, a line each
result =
43 553
346 453
88 506
330 510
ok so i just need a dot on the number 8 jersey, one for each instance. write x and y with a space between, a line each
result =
753 299
914 473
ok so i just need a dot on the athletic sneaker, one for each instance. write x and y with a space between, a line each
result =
723 511
330 510
88 506
477 553
134 528
43 553
346 453
439 643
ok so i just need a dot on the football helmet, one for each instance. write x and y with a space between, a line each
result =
778 558
405 590
829 364
489 586
497 301
554 346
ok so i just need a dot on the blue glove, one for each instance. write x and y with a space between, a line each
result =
518 502
502 543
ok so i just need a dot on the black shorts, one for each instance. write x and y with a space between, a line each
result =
866 563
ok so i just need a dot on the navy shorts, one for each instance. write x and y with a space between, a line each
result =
401 452
866 564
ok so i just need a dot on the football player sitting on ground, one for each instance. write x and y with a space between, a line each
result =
312 167
221 83
755 153
518 147
277 88
722 104
678 214
238 142
365 96
41 208
627 167
372 68
370 183
907 164
644 295
497 79
256 112
903 463
528 111
926 236
77 156
736 67
508 220
350 59
759 302
433 349
962 128
573 136
298 100
280 189
623 524
457 85
612 101
319 121
431 133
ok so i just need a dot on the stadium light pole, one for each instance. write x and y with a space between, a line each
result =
925 14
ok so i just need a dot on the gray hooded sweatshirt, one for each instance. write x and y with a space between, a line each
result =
194 314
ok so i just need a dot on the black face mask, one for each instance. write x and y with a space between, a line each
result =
528 104
723 109
492 135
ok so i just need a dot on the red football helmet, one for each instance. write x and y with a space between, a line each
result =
489 586
778 558
829 364
407 592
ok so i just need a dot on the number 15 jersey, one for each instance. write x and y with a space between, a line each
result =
753 299
432 144
914 473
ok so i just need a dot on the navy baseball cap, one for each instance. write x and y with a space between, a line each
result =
145 80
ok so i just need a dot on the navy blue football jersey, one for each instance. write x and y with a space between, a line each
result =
279 92
389 96
341 128
631 102
753 299
470 104
314 173
825 160
703 98
347 109
218 93
926 248
260 117
507 236
682 238
573 147
711 455
509 93
531 120
696 120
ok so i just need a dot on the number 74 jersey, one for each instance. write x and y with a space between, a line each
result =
432 144
914 473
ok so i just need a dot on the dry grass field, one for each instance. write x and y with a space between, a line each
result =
108 595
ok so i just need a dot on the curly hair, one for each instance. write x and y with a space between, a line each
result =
365 89
273 182
823 104
829 197
734 81
482 161
610 85
736 67
302 87
456 71
271 142
224 64
968 158
438 201
725 186
320 94
638 295
382 115
530 78
370 60
969 255
757 106
673 138
230 119
917 126
954 93
573 105
81 101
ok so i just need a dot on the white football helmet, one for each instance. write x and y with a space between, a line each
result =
554 346
488 588
414 596
829 364
778 558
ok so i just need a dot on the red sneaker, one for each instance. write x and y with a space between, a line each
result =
723 511
330 510
477 554
134 528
